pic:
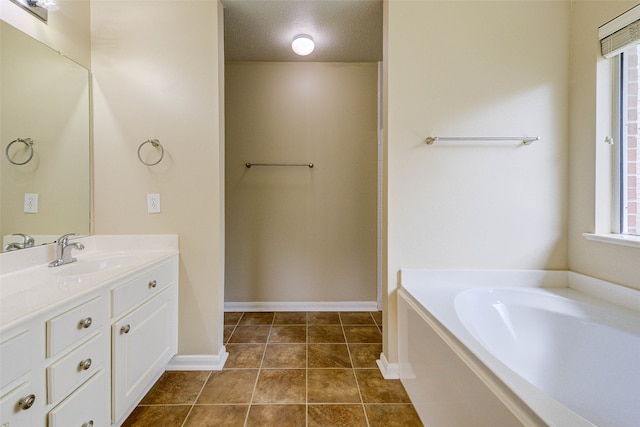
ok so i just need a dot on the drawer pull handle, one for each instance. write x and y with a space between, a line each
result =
153 284
85 323
88 424
85 364
125 329
27 402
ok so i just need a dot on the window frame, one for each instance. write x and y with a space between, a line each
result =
615 36
617 129
619 124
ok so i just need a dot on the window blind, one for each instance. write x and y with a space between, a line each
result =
620 33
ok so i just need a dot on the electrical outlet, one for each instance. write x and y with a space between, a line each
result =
153 203
30 203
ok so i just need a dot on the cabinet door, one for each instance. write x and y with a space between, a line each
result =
143 343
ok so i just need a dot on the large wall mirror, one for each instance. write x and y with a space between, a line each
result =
45 140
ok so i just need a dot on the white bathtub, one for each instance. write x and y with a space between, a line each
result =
519 348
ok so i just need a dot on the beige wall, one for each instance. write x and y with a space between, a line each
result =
590 156
474 69
158 73
295 233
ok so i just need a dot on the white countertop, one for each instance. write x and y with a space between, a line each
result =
28 286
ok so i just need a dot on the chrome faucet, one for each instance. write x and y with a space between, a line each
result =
63 250
27 242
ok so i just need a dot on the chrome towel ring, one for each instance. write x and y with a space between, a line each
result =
28 142
156 144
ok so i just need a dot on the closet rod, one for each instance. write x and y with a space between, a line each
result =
248 165
526 140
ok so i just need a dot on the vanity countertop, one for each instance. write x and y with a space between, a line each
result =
28 286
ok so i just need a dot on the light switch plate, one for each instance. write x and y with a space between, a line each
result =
153 203
30 203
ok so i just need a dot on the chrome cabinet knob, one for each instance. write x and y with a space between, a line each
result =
27 402
125 329
85 323
153 284
88 424
85 364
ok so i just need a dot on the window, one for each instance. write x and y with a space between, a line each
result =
620 41
628 132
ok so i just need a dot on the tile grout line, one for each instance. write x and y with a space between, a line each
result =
375 322
204 384
233 331
306 370
353 367
255 385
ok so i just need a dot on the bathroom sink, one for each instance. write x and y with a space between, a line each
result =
96 264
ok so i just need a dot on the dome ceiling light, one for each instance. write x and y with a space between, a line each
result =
303 44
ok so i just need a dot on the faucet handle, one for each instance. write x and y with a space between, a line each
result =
64 239
27 241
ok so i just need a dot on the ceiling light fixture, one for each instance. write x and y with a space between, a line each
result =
302 44
48 4
39 8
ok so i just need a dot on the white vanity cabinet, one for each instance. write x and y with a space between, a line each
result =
88 361
144 334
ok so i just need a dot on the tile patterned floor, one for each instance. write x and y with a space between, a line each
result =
285 369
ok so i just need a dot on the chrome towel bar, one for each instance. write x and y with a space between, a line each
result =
309 165
526 140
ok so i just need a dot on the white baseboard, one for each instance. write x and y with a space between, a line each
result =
390 371
187 362
302 306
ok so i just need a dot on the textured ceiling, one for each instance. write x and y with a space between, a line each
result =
343 30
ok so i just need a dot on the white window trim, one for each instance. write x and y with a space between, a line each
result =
618 137
615 239
604 156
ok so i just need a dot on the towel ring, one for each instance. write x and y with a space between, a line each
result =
156 144
28 142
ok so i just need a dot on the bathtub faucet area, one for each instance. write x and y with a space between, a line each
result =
63 250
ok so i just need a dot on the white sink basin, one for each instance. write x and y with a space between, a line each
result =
93 264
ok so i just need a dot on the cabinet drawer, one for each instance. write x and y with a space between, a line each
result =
136 290
74 368
14 358
87 406
74 325
15 411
